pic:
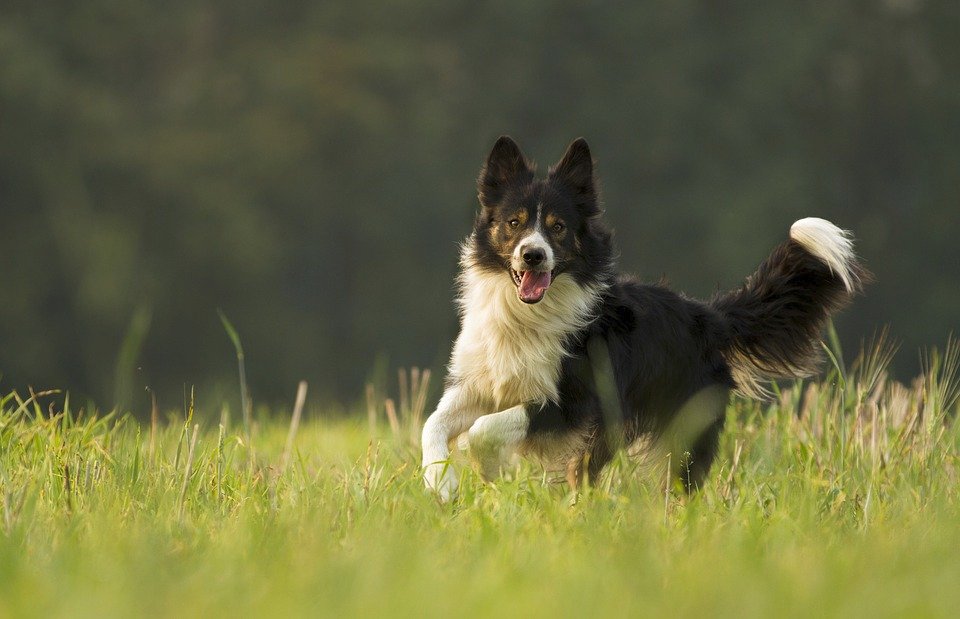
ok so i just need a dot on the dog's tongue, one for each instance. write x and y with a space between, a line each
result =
533 285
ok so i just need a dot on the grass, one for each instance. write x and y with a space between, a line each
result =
839 498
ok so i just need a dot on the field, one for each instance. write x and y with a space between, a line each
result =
836 498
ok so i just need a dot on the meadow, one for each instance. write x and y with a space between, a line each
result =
837 497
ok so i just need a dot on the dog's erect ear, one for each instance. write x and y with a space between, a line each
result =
505 165
574 171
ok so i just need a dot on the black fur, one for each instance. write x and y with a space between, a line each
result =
774 320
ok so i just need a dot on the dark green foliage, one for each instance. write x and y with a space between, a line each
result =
309 168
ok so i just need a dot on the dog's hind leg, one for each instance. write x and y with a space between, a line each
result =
694 435
585 468
494 438
696 463
600 455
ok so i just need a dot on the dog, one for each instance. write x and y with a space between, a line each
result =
561 358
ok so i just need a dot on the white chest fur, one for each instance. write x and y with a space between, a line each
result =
508 352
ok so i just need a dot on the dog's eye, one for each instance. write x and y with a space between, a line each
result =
514 223
558 227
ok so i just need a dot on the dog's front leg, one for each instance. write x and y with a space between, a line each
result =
494 438
455 413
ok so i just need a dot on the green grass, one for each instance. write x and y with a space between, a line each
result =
838 499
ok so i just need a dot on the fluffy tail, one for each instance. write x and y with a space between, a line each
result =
774 320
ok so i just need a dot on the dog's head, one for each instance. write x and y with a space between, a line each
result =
534 230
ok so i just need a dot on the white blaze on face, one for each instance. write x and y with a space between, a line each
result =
534 240
532 280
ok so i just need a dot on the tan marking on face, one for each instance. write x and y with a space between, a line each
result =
551 221
504 235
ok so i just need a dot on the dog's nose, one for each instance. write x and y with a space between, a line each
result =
534 256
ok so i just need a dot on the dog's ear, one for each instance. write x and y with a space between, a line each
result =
574 172
506 165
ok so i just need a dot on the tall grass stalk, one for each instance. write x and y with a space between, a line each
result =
245 404
294 424
188 469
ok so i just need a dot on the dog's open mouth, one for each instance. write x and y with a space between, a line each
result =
531 285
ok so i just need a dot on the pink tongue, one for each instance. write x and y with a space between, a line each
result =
533 285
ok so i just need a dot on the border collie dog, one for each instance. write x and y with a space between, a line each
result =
561 358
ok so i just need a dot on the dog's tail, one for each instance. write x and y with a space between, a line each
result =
774 320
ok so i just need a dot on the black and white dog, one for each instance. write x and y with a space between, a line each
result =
560 357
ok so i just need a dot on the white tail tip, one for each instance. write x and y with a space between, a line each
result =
828 243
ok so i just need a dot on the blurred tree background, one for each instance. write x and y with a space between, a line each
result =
308 167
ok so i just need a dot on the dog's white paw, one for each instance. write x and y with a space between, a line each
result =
486 451
442 479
